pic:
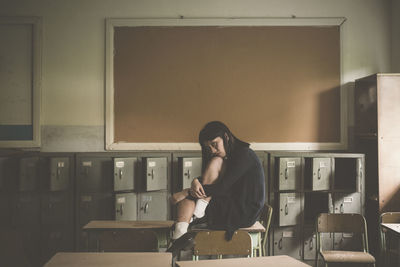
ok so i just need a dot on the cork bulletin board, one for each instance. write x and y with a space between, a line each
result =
269 84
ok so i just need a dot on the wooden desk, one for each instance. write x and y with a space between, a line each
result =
254 232
275 261
393 229
161 228
93 259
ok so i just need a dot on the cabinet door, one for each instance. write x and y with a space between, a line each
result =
156 173
289 173
153 206
95 175
124 174
191 168
27 210
309 239
55 209
347 241
322 171
126 207
95 207
59 174
347 202
287 242
55 239
289 209
28 174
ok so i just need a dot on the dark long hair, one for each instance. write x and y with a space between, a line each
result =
213 130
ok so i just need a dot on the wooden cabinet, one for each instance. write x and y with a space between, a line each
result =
377 134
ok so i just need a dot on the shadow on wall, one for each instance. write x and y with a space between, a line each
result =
329 124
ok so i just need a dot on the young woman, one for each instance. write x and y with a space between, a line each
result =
232 185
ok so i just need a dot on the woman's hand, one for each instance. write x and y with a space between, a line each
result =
197 189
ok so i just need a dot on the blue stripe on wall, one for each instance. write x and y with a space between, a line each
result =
16 132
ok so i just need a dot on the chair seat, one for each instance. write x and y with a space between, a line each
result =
347 256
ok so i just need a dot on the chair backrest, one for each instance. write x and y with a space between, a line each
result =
265 219
390 217
128 241
341 223
214 243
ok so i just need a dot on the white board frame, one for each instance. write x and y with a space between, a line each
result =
36 69
111 23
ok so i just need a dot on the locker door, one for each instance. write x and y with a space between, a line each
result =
191 168
287 242
55 239
3 165
95 175
124 174
56 209
347 241
28 174
27 211
289 209
59 174
347 202
322 172
310 242
126 207
153 206
156 173
289 173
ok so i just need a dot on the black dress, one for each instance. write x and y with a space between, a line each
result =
239 196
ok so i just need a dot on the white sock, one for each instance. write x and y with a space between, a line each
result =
200 209
180 229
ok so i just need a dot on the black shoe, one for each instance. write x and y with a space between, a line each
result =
199 222
185 242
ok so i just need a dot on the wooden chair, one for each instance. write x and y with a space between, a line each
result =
128 241
265 220
343 223
209 243
385 253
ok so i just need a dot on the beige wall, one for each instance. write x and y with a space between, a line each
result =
74 37
395 36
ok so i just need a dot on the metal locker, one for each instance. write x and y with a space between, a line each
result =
124 174
95 175
3 166
59 174
153 206
191 168
287 242
289 173
95 207
156 172
26 213
289 209
309 240
126 207
55 209
347 202
321 175
55 239
28 174
347 241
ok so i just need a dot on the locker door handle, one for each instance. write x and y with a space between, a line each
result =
121 209
120 173
146 207
341 208
188 174
58 173
311 246
86 172
280 243
286 173
152 174
286 209
319 174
